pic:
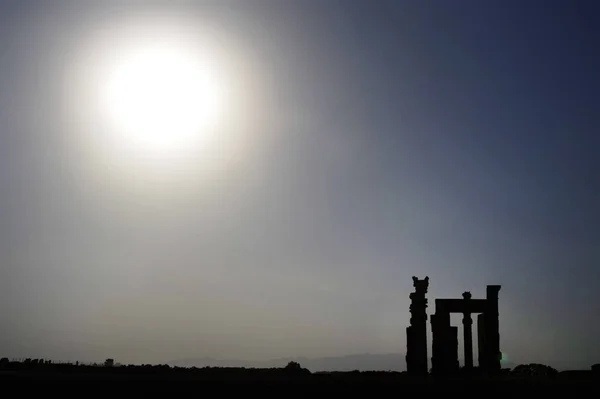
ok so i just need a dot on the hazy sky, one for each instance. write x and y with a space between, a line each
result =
376 140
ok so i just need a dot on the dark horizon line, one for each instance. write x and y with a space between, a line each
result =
255 363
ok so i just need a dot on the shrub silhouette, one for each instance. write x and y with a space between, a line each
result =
293 366
534 370
295 369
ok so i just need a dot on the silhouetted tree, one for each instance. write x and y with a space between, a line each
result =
293 366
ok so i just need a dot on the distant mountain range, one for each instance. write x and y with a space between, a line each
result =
362 362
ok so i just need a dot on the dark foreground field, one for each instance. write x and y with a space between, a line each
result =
200 380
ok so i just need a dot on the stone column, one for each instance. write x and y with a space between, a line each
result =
416 334
442 342
468 336
492 327
468 332
452 345
436 354
481 344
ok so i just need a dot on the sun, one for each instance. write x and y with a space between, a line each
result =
155 99
159 97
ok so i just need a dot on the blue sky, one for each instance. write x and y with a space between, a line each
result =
388 139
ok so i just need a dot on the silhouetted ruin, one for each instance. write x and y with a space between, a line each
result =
444 361
416 333
444 358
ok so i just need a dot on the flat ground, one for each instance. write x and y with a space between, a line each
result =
313 383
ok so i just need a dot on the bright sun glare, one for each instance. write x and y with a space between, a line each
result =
155 96
160 97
